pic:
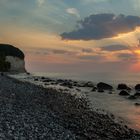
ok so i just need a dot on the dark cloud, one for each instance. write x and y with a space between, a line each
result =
102 26
116 47
92 57
128 57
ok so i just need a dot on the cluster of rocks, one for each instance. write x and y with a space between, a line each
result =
123 89
32 112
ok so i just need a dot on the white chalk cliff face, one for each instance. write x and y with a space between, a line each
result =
17 64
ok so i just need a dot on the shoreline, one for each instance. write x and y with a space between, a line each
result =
73 114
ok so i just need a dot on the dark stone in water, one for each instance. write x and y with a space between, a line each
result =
2 74
104 86
94 89
27 73
47 80
43 78
100 90
124 93
88 84
110 92
137 94
132 97
137 87
36 79
123 87
67 84
137 104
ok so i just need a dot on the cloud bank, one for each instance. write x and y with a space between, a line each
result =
102 26
116 47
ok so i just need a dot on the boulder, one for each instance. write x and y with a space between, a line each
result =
137 94
123 87
124 93
137 104
94 89
137 87
88 84
104 86
100 90
132 97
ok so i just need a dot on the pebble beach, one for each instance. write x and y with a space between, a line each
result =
32 112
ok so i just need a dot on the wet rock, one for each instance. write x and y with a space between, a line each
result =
132 97
137 87
43 78
67 84
104 86
100 90
47 80
94 89
110 92
2 74
36 79
28 73
137 94
124 93
88 84
137 104
123 87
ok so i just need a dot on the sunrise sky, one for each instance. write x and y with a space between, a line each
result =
74 35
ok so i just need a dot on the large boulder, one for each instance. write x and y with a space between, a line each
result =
104 86
124 93
123 87
11 59
137 87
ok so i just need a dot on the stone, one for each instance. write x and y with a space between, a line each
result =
137 94
104 86
123 87
100 90
124 93
132 97
137 104
137 87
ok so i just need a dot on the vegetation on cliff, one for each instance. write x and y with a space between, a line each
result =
9 50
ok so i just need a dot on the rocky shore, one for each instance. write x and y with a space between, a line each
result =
28 111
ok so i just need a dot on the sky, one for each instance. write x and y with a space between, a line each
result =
80 36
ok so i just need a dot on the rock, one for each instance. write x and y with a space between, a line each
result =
110 92
47 80
28 73
2 74
124 93
137 104
67 84
137 94
36 79
132 97
100 90
88 84
43 78
104 86
123 87
137 87
94 89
